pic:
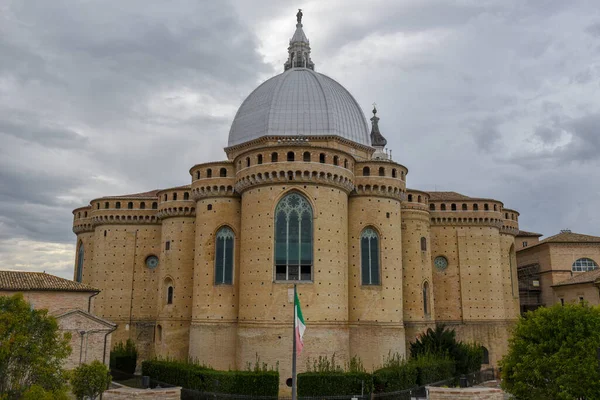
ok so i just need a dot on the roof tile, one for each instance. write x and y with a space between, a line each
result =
22 281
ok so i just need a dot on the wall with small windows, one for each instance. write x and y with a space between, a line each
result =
215 304
176 265
373 224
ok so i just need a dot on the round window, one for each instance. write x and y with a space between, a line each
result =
440 263
151 262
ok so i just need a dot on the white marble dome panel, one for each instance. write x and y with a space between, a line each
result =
299 101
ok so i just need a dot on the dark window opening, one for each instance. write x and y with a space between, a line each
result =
209 207
118 204
486 355
142 206
154 205
322 158
345 163
453 207
197 174
170 295
443 207
306 156
209 173
223 172
381 171
186 196
168 245
291 156
130 205
432 207
366 171
274 157
336 160
486 207
475 207
423 244
394 173
259 159
174 196
247 161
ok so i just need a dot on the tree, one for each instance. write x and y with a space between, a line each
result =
32 349
90 380
552 354
441 342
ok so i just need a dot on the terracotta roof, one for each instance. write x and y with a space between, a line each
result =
151 193
585 277
525 233
447 196
570 237
21 281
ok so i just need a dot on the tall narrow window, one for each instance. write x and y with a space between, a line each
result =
394 173
432 206
154 205
336 160
426 298
486 207
223 172
293 239
369 257
464 207
209 173
345 163
273 157
423 244
174 196
259 159
453 207
366 171
170 295
130 205
475 207
291 156
224 256
443 207
486 355
322 158
142 206
186 196
381 171
80 255
168 245
247 161
118 204
306 156
158 333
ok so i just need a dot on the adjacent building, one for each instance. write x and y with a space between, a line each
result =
552 270
69 303
307 195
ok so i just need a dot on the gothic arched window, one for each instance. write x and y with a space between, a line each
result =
426 298
80 255
224 256
369 257
293 239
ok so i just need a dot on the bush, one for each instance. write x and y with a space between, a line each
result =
552 354
124 357
333 383
90 380
431 368
36 392
203 379
399 376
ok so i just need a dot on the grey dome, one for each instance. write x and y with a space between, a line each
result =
297 102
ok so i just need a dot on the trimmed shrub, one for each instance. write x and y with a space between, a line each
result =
203 379
431 368
401 376
333 383
88 381
124 357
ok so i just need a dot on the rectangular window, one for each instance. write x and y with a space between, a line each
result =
168 245
562 302
581 299
524 244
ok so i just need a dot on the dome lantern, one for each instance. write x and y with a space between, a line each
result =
299 49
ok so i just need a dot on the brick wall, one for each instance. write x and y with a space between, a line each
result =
437 393
54 300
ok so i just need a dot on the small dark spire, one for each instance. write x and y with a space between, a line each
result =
377 139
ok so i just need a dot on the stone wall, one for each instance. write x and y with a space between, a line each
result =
438 393
145 394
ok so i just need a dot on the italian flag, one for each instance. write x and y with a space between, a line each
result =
298 324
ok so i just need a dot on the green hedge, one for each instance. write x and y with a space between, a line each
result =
204 379
432 369
124 357
333 383
392 379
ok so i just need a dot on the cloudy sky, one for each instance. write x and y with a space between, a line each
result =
490 98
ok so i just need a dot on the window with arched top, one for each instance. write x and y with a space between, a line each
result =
293 238
174 196
345 163
381 171
130 205
402 175
306 156
464 207
186 195
142 206
224 256
410 197
505 215
486 207
118 204
432 207
418 199
80 255
584 265
423 244
394 173
453 207
97 206
366 171
247 161
369 257
154 205
443 207
426 298
259 159
209 173
336 160
223 172
166 197
485 355
291 156
85 214
159 333
475 207
170 291
273 157
322 158
495 207
197 174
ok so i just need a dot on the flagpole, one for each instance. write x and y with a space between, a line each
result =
294 350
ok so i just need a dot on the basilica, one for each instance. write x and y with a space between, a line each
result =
308 195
